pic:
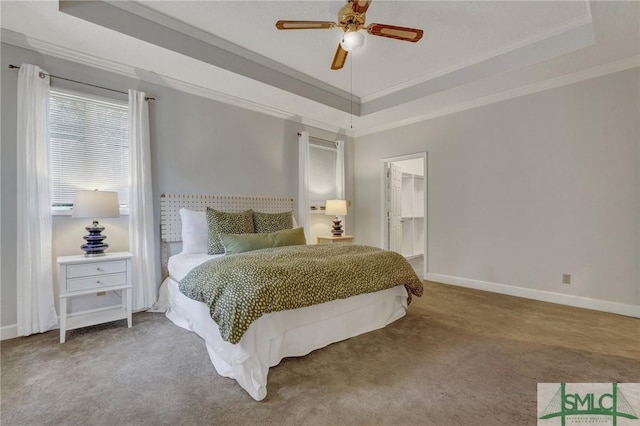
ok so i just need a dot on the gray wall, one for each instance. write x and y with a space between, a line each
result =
197 145
522 191
519 192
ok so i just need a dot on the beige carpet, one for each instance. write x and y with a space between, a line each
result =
459 357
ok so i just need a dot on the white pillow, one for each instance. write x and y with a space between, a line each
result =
195 231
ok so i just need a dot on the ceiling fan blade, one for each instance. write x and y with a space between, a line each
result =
339 59
398 33
360 6
304 25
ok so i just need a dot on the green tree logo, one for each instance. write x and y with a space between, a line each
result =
564 405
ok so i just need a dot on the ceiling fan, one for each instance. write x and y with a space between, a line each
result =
351 19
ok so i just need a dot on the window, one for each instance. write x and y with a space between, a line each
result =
89 147
322 173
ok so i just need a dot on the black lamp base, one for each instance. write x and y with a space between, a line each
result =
95 245
337 227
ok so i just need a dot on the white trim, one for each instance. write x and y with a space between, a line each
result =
26 42
541 295
118 103
566 27
21 40
141 11
68 211
9 332
552 83
424 155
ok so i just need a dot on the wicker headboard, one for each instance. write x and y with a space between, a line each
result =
170 205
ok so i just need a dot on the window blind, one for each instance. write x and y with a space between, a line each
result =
322 174
88 147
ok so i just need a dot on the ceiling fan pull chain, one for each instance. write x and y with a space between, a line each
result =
351 66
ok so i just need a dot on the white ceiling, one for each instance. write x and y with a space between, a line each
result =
472 53
457 33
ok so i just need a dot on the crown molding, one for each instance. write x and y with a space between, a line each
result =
556 31
564 80
23 41
580 35
44 47
140 10
191 42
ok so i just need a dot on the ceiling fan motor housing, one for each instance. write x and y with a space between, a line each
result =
349 20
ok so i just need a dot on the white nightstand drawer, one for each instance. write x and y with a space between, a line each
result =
86 283
99 268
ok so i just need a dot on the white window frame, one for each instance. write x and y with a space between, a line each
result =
67 210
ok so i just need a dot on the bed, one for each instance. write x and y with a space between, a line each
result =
275 335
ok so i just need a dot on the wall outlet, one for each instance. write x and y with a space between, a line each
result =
566 278
101 293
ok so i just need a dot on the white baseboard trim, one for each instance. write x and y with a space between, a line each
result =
541 295
9 332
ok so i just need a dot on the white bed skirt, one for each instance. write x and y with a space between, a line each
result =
278 335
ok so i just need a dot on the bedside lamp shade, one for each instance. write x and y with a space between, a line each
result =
337 208
94 205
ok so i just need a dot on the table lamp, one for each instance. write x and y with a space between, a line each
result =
95 204
337 208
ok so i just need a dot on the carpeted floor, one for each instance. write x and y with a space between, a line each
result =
459 357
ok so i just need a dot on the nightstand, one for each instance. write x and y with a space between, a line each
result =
81 275
332 239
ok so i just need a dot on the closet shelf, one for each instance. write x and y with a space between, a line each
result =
413 226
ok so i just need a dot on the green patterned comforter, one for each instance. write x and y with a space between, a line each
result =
240 288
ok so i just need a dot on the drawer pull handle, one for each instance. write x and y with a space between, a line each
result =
97 281
98 269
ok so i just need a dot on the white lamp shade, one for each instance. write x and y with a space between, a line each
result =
352 40
95 204
336 208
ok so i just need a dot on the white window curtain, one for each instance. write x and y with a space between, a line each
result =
304 217
340 191
141 235
36 308
340 181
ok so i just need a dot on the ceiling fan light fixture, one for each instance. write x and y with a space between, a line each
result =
352 40
351 20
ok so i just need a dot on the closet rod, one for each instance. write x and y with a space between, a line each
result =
42 74
320 139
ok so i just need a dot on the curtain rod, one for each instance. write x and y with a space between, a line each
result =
320 139
42 74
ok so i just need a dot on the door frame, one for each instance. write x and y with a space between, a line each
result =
383 202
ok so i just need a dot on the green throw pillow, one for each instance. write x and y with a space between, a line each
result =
240 243
272 222
226 223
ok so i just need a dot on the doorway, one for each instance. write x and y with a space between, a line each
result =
404 208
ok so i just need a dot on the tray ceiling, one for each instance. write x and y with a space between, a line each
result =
471 50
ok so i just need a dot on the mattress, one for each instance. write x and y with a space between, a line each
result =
180 265
276 335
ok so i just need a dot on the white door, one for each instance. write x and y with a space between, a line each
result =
395 208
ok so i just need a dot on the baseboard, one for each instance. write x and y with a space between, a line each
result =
541 295
9 332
